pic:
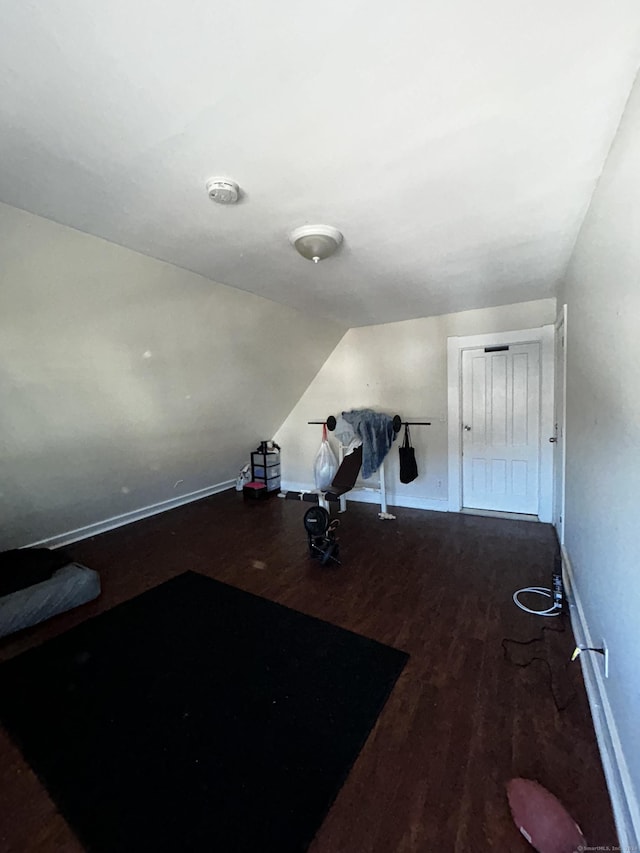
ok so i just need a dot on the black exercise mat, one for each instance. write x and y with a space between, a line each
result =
197 717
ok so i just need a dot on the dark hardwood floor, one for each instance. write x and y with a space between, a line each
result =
461 720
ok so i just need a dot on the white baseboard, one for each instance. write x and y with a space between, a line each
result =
373 497
62 539
491 513
626 809
293 486
394 499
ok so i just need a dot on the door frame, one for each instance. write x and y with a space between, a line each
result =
560 417
545 336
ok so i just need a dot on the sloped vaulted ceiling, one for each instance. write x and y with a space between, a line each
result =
456 145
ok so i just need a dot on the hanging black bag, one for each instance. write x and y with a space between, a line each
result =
408 465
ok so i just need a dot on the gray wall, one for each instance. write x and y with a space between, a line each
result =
602 290
121 375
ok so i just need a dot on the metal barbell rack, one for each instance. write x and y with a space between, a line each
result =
398 423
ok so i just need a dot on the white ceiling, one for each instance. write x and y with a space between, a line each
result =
455 144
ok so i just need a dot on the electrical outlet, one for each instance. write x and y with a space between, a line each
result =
605 657
439 484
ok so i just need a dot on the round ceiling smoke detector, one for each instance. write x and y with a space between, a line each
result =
316 242
223 191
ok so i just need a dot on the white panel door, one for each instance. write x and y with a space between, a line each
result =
501 428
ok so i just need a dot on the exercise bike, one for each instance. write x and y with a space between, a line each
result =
323 543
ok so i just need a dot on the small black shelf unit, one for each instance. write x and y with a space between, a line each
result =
265 468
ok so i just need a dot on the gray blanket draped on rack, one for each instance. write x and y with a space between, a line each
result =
376 431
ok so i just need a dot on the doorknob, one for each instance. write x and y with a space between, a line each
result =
553 439
467 428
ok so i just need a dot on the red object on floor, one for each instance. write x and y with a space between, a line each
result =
542 819
255 491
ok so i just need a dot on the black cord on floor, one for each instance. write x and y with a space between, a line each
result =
559 707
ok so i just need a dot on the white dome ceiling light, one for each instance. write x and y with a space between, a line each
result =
315 242
223 190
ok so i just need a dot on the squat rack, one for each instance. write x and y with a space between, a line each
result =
398 423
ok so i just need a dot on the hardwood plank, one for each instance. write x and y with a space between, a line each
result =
462 719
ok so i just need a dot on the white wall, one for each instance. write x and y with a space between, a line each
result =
398 368
602 528
121 375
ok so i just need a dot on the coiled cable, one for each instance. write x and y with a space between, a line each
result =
554 610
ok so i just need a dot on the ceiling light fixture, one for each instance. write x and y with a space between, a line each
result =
223 190
316 242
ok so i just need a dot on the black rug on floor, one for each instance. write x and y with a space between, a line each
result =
197 717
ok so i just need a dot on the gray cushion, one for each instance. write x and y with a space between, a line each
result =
70 586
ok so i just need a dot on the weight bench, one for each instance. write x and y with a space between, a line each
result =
346 475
